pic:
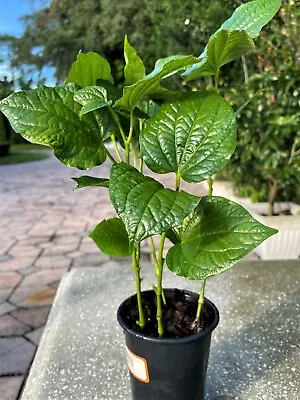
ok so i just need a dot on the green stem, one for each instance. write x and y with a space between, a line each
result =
217 78
159 289
141 164
210 182
155 261
245 69
128 140
201 300
110 156
153 250
113 139
178 182
117 119
136 267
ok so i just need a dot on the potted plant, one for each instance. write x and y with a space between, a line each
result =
191 135
269 171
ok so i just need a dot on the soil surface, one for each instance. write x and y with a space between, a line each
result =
178 314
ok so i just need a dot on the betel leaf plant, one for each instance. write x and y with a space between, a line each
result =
191 135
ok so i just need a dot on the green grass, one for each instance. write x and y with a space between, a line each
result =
20 153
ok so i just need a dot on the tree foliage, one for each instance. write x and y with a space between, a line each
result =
266 165
55 34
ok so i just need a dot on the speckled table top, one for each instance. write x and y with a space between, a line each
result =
255 351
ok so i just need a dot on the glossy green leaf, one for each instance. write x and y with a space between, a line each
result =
134 69
144 205
223 48
193 135
92 98
88 181
250 18
214 238
111 237
49 116
88 68
150 83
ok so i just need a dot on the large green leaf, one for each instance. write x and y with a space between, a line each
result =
92 98
214 238
134 69
88 68
250 18
90 181
150 83
49 116
193 135
111 237
144 205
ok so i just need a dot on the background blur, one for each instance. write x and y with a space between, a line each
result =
39 40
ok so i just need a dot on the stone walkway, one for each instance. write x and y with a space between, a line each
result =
43 233
44 228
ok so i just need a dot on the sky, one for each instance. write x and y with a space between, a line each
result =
10 13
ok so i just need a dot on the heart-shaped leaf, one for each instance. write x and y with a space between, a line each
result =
144 205
150 83
134 69
111 237
49 116
193 135
92 98
88 181
88 68
214 238
250 18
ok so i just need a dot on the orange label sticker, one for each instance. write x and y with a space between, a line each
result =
138 366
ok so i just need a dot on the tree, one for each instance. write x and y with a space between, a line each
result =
55 34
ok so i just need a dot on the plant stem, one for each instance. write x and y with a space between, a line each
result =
141 164
201 300
273 187
136 267
154 253
155 261
210 182
113 139
110 156
159 289
128 140
178 177
217 78
245 69
116 118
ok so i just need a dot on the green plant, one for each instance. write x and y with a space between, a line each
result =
190 134
266 164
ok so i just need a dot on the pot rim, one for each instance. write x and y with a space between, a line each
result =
171 341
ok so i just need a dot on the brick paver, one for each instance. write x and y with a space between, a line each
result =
44 228
10 387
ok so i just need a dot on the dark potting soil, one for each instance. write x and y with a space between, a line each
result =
178 315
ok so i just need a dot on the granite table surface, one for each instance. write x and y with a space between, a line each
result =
255 350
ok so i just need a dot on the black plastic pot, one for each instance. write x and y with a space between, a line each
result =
168 369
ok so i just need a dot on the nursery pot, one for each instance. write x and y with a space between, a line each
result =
168 368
